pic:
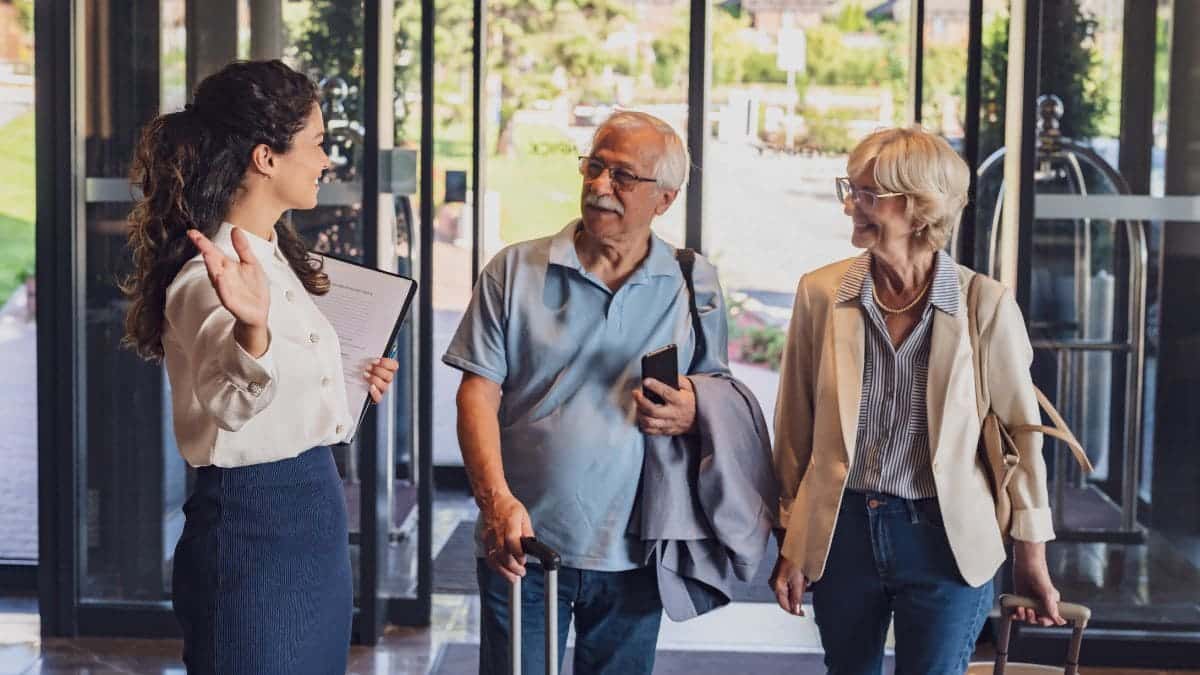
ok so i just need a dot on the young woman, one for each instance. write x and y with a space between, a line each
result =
221 292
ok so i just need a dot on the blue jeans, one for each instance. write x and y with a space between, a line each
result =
890 557
616 614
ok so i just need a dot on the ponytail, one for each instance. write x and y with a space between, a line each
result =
166 166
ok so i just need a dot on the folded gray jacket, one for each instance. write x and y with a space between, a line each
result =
705 502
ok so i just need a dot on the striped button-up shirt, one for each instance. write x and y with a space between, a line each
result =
892 449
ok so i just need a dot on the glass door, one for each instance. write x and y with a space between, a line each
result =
130 61
18 294
1104 257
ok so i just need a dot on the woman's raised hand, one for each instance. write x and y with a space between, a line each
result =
241 285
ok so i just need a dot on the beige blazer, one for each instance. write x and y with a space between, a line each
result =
816 421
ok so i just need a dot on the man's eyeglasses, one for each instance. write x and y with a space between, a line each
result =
623 179
861 196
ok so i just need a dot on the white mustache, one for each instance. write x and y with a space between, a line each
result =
607 202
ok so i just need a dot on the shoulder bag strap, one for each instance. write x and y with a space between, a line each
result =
687 263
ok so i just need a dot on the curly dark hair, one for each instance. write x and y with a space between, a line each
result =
189 166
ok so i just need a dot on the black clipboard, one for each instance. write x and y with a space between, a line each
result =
397 324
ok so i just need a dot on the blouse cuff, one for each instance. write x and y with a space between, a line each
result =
246 373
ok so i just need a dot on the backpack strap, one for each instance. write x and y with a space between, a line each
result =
686 258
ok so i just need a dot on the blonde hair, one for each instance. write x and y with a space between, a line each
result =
671 170
925 168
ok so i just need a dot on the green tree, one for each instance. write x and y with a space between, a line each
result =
944 67
531 39
993 84
730 52
831 63
330 45
670 52
852 18
24 21
1071 68
734 59
24 14
329 42
1162 62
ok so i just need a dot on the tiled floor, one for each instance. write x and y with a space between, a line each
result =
748 627
1149 578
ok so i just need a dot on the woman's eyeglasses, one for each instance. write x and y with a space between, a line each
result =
865 198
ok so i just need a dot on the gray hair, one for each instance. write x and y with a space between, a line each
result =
671 169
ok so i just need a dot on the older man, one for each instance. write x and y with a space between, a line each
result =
551 418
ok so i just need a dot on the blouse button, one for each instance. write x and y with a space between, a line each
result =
254 388
289 295
324 381
314 338
340 430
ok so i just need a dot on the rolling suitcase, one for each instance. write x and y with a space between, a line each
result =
550 561
1076 615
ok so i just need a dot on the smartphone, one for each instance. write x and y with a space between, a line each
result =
662 365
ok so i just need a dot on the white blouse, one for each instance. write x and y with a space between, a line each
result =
231 409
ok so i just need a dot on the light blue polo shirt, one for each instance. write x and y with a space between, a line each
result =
567 353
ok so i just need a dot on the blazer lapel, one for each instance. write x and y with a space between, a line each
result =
949 350
848 367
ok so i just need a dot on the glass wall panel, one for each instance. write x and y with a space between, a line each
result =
555 71
141 58
399 577
944 70
1110 312
133 480
453 226
793 91
18 327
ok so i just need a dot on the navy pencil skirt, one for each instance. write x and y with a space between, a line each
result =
261 581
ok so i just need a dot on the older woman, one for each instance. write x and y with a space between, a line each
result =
885 508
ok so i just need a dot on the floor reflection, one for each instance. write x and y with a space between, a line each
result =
1144 586
1151 585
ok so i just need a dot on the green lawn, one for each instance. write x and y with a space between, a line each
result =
17 202
538 185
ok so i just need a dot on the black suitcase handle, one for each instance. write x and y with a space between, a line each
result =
547 556
550 561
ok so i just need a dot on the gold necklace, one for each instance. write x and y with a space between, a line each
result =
890 310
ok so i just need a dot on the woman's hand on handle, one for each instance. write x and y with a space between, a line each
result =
241 286
1031 578
789 583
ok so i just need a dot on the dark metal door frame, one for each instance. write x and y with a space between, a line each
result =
61 282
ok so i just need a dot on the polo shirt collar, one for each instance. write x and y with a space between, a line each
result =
659 262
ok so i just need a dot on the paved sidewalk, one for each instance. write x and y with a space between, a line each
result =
18 431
